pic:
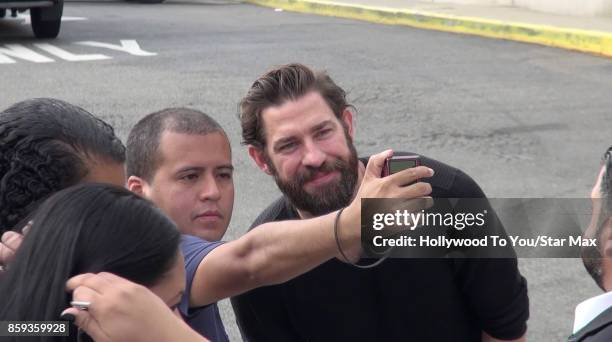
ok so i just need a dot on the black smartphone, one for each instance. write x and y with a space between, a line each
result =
399 163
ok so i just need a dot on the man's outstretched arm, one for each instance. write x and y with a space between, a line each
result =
278 251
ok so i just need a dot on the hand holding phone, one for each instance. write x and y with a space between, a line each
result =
398 163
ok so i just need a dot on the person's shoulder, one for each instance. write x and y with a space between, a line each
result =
451 181
194 245
278 210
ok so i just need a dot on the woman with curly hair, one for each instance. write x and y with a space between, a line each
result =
47 145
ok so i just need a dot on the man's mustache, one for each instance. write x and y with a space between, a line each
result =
310 172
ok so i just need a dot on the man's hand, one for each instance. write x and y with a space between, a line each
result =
9 244
393 186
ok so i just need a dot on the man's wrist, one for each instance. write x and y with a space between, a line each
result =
349 234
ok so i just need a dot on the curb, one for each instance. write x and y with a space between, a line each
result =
595 42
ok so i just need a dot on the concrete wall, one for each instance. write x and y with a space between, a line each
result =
567 7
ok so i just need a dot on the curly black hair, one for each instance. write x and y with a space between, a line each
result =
44 146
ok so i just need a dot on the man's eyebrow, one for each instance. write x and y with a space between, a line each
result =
229 167
282 141
190 168
321 125
313 129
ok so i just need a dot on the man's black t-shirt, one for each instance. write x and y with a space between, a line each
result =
400 300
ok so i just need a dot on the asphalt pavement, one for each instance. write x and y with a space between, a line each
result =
523 120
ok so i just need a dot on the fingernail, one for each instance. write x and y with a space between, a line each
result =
27 227
431 172
7 237
67 317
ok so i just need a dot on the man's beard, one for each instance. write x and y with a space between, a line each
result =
327 199
593 262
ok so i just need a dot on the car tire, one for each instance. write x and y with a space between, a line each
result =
2 13
46 21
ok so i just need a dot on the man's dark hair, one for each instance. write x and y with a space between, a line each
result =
592 256
143 158
87 228
604 190
286 82
44 147
606 182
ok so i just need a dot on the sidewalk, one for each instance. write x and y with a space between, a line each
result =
587 34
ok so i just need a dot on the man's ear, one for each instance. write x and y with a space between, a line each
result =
257 156
347 119
137 185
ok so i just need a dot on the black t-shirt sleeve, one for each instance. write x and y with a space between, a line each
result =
494 288
465 187
496 293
